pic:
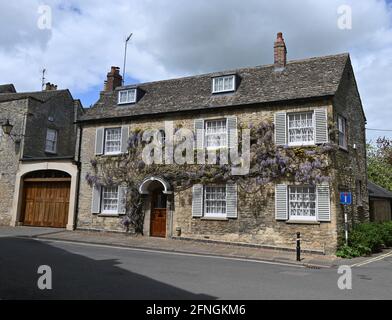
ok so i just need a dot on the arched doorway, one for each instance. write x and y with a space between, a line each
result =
158 207
156 191
46 197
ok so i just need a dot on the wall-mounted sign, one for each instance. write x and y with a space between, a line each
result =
345 198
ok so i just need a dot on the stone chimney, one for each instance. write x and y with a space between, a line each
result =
50 87
114 79
280 52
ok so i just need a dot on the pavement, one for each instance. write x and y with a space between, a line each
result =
176 245
85 270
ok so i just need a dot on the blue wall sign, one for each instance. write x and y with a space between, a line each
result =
345 198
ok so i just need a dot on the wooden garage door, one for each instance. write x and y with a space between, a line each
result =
46 203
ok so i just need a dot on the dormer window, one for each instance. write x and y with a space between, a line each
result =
223 84
127 96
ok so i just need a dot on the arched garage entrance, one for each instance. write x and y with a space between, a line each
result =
30 172
46 195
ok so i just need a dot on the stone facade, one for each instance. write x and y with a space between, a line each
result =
32 114
259 227
10 153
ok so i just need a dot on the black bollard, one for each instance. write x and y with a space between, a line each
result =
298 246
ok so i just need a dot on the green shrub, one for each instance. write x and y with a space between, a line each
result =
347 252
387 233
367 238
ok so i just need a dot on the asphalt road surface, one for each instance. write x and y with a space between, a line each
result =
82 271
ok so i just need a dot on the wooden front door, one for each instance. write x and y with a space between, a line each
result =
46 203
158 214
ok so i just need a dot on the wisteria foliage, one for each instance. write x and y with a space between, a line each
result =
269 164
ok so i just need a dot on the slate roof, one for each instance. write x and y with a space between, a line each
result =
301 79
38 95
375 191
7 88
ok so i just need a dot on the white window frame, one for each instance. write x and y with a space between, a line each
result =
54 151
303 217
300 143
214 214
109 212
206 134
232 88
105 152
344 132
128 101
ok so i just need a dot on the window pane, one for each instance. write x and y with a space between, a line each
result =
302 202
215 201
342 132
222 84
127 96
113 140
216 133
51 140
300 126
109 199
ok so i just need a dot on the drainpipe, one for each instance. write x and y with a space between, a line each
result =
78 182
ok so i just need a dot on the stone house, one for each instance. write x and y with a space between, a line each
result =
38 168
313 104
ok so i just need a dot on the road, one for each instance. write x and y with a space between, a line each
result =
82 271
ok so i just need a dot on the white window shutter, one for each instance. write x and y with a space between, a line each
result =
122 200
232 137
231 200
96 200
197 200
124 139
321 126
280 128
281 208
199 133
99 139
323 203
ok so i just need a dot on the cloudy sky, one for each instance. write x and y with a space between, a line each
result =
175 38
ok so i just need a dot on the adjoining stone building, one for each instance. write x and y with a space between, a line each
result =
38 167
313 104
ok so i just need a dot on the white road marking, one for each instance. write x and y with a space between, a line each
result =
378 258
169 252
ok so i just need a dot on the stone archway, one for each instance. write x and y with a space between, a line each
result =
157 194
27 168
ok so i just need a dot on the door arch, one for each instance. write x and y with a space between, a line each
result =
156 191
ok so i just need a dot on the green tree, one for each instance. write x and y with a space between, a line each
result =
380 162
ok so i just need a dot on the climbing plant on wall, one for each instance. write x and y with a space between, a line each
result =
268 164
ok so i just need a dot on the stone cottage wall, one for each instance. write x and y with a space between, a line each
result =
10 152
251 227
350 164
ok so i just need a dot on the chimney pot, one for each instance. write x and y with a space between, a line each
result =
50 87
114 79
280 52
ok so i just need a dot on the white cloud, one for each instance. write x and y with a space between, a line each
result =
176 37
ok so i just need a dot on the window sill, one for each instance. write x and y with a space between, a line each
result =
312 144
112 154
310 222
108 215
215 218
123 104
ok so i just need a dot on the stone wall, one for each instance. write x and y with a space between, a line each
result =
30 119
61 109
350 164
10 152
251 227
